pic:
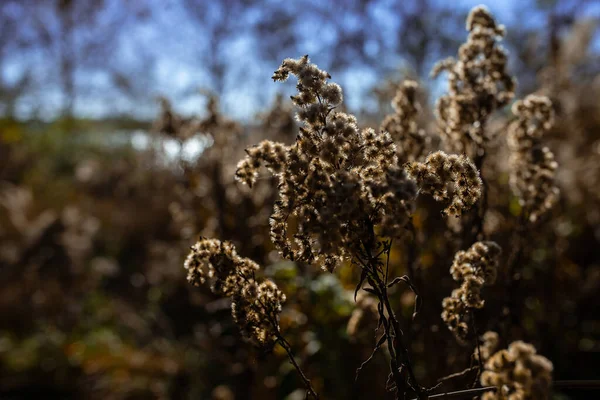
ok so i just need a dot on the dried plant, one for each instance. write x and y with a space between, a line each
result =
342 185
338 182
478 84
344 195
91 245
532 165
411 141
255 304
518 373
474 268
448 178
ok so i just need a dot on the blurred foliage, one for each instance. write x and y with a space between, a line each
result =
96 217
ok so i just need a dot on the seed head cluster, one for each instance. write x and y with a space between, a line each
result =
255 304
518 373
335 181
532 165
478 83
450 179
474 268
402 125
489 345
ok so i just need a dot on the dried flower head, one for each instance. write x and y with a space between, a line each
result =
255 308
474 268
255 305
480 260
218 261
335 180
448 178
478 83
532 165
410 140
490 340
519 373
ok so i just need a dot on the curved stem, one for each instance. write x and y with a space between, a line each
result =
462 394
457 374
286 346
469 393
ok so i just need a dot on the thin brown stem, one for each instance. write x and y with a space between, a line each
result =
461 394
286 346
478 349
457 374
469 393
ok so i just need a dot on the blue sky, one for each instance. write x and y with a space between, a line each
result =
170 41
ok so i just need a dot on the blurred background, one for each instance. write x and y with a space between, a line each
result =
121 123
